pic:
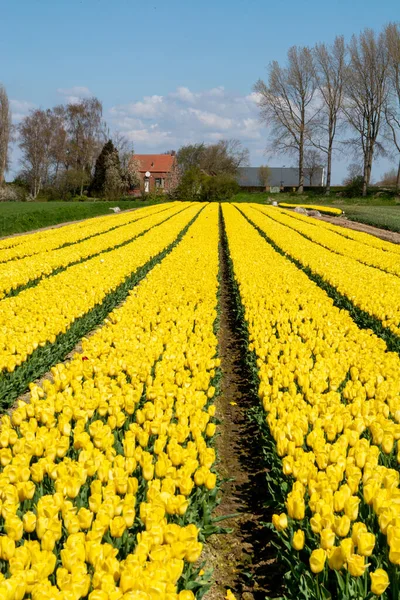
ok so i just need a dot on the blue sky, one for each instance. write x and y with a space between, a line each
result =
171 72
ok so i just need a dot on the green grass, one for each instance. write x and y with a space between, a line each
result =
385 217
18 217
383 212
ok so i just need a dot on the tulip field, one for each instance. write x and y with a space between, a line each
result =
109 463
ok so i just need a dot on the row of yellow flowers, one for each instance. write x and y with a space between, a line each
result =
38 314
352 234
47 240
363 252
331 393
106 470
372 290
17 273
328 210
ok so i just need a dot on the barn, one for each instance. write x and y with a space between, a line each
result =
251 178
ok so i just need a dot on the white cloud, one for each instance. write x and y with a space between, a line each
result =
74 94
157 123
211 119
184 94
148 108
20 109
217 92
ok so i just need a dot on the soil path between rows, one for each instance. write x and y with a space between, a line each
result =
243 559
383 234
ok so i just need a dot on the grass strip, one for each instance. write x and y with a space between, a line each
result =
21 217
362 319
44 357
31 238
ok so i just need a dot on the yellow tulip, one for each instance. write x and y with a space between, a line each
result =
379 581
365 543
298 540
335 558
280 522
117 526
317 560
327 539
342 527
29 521
356 565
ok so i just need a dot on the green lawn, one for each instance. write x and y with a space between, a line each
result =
386 217
18 217
381 211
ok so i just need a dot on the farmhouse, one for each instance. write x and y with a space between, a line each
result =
251 179
155 171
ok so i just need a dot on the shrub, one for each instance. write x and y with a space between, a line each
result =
196 185
219 188
12 193
353 187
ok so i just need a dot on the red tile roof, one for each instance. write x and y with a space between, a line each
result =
155 163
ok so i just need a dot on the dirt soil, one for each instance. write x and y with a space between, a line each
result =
384 234
243 559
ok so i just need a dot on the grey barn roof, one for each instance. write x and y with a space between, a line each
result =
250 177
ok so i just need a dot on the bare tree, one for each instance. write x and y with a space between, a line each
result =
354 172
86 132
5 132
59 147
392 107
313 162
37 134
225 157
264 175
389 178
329 73
366 87
286 103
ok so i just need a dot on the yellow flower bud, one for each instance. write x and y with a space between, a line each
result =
365 543
342 526
327 538
335 558
317 560
298 540
29 521
347 547
117 527
211 481
280 522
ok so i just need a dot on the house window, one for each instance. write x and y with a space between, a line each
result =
159 182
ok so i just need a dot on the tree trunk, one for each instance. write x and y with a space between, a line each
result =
2 168
398 178
301 167
366 173
328 171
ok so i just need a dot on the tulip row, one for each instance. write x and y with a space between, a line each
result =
17 247
331 394
19 274
43 323
362 252
359 236
327 210
107 473
375 293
